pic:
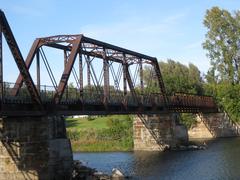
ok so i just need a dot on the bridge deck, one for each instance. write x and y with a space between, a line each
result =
74 103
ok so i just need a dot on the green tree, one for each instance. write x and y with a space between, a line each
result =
181 78
222 44
178 78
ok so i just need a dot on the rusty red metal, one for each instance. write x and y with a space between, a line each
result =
28 63
88 49
120 88
67 69
19 59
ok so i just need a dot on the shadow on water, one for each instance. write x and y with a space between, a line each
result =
219 161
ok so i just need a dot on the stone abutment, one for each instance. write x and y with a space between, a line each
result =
158 132
34 148
213 125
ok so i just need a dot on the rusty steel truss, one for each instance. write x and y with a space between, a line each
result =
88 49
109 80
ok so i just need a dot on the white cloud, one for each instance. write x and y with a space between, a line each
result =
142 34
162 38
134 25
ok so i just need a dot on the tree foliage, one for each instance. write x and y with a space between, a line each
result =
228 97
222 44
181 78
177 78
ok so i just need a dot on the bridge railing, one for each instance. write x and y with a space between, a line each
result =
74 94
23 95
88 96
191 101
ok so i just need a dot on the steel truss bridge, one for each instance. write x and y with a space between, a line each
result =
108 80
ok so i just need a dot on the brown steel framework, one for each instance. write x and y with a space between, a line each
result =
89 48
6 30
109 80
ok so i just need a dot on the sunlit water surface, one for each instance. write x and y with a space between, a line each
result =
221 160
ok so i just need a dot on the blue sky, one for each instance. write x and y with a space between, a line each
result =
163 29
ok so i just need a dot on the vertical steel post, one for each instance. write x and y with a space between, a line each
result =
65 64
88 72
124 75
81 75
106 77
1 64
65 58
141 78
38 71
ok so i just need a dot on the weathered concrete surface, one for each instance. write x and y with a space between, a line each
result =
199 130
180 134
213 125
34 148
158 132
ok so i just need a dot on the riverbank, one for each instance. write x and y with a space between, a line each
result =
100 133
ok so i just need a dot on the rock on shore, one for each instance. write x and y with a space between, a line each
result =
82 172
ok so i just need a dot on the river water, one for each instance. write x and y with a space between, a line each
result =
221 160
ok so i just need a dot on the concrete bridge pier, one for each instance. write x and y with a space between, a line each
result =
34 148
213 125
158 132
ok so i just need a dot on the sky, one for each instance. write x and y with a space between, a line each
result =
170 29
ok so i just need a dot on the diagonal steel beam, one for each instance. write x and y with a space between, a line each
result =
13 46
160 82
129 80
28 63
67 70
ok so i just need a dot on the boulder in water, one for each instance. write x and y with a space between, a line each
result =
117 174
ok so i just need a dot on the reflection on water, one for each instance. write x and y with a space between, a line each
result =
221 160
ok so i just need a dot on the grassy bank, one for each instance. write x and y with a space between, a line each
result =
107 133
101 133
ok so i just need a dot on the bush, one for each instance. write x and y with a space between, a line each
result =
228 97
188 119
91 118
118 136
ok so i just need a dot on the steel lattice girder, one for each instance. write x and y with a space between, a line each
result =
94 48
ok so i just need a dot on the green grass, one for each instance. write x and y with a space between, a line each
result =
103 133
84 123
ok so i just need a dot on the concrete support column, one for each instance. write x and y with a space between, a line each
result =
158 132
213 125
34 148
